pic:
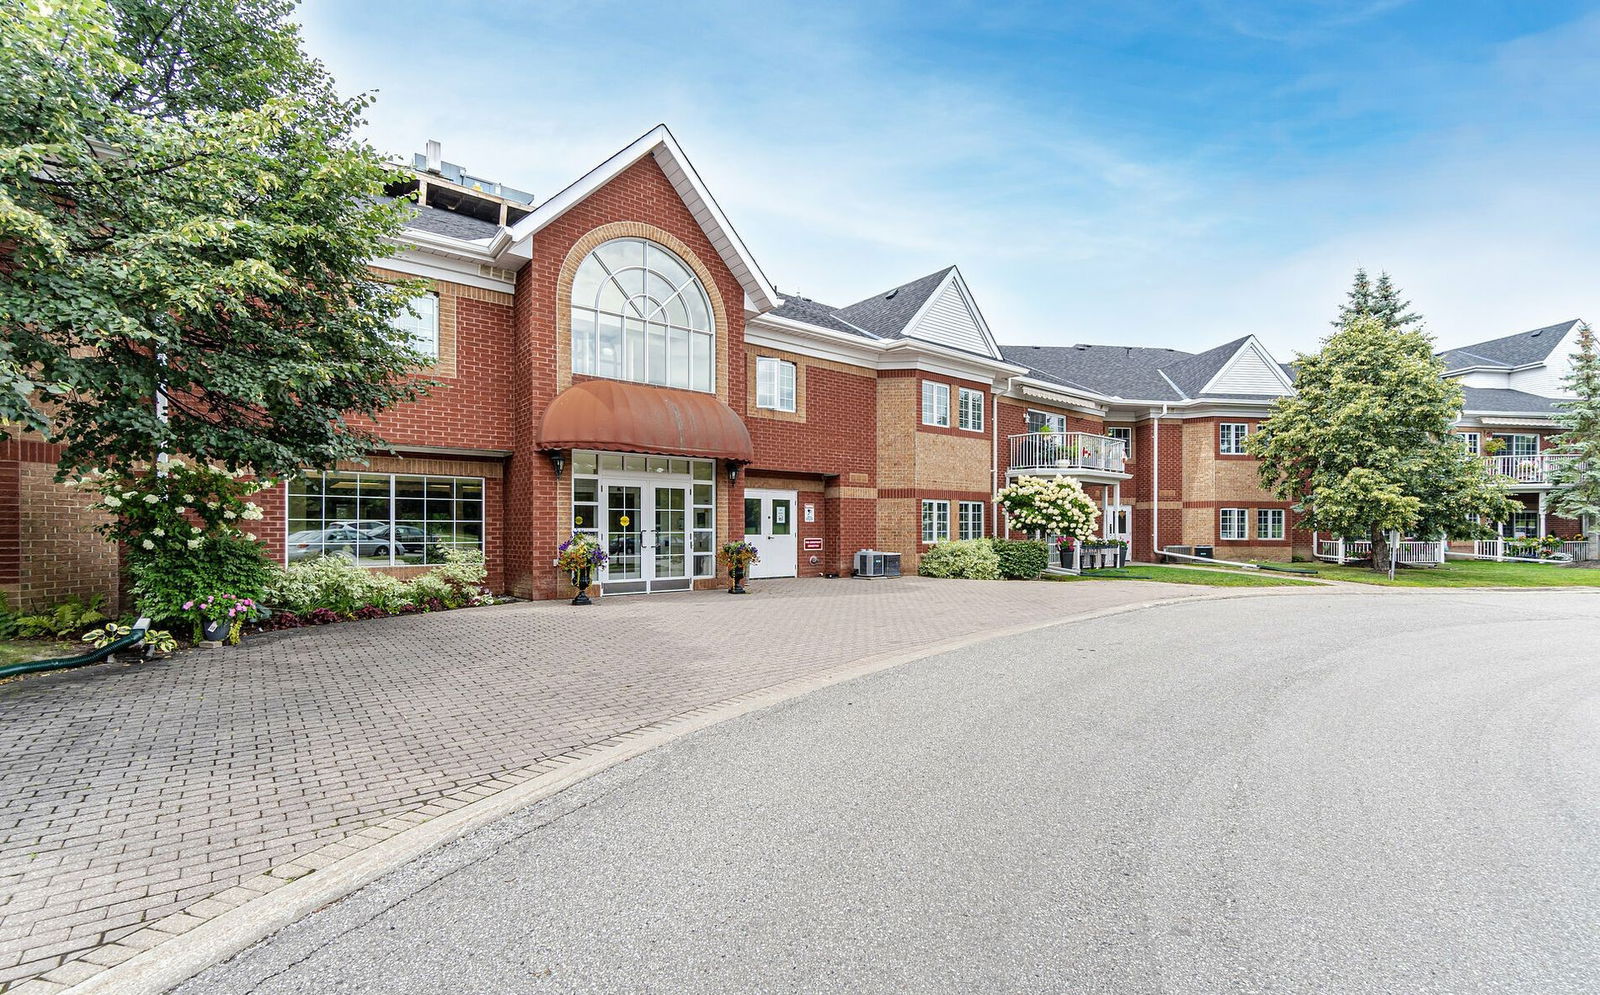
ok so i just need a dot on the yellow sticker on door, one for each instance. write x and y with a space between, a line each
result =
623 521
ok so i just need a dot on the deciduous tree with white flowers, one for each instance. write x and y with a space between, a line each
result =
1053 506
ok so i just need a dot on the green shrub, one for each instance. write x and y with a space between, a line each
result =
1021 559
972 559
171 574
334 583
8 618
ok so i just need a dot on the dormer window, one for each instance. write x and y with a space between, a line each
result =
639 313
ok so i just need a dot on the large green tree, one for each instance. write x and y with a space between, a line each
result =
186 214
1380 300
1577 481
1364 445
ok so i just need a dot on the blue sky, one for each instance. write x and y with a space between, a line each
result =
1168 174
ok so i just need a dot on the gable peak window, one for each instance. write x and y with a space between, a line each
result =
640 313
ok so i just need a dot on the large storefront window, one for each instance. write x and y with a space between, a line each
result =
655 516
383 519
640 314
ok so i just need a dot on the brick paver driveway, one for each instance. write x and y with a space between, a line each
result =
135 791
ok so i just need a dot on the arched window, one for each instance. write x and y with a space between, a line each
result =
639 313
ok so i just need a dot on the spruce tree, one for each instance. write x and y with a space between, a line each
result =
1379 300
1576 493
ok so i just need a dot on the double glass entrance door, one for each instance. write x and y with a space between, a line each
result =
647 537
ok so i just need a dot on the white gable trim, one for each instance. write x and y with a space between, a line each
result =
658 141
1250 346
953 279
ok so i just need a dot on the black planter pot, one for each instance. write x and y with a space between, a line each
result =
580 580
216 632
737 573
1065 553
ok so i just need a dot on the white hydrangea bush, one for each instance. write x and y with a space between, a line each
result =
1055 506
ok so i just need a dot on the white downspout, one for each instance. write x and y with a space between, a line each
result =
1155 482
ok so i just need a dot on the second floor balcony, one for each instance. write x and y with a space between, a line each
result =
1070 452
1531 469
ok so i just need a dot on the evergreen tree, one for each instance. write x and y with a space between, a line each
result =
1364 445
1576 493
185 214
1379 300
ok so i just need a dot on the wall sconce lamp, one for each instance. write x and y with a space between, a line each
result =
733 472
558 460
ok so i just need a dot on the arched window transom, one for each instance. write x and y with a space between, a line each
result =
639 313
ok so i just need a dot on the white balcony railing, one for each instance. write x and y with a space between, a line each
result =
1533 468
1067 451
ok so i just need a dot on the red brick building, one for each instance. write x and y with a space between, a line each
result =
613 361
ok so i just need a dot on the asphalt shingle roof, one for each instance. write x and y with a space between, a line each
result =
437 222
1114 370
886 315
1532 346
797 308
1192 374
1501 399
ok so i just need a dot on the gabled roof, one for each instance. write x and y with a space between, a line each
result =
1501 399
937 308
658 142
887 315
1521 349
1191 375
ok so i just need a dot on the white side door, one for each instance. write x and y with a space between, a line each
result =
769 525
1120 525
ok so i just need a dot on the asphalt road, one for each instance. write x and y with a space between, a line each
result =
1340 793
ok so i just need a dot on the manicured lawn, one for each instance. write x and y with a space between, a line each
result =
1185 575
17 651
1468 573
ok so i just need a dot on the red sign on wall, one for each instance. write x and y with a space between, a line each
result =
812 544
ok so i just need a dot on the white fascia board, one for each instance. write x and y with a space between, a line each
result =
413 262
658 141
917 354
1251 342
444 245
786 334
955 277
1492 417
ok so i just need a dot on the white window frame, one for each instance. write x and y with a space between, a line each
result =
1056 422
420 325
935 404
1271 523
1124 434
935 522
1511 439
1236 442
775 384
1243 518
1474 442
640 313
970 409
969 520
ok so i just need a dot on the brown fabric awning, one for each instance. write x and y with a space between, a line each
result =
635 418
